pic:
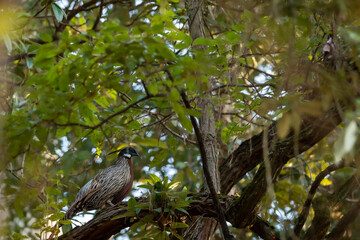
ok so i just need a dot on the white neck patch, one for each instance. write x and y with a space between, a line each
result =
127 155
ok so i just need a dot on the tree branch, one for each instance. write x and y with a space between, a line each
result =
250 153
321 221
103 226
206 171
263 229
306 207
280 152
97 20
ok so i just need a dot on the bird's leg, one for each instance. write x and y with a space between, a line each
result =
110 203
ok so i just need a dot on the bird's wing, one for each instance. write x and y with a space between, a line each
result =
96 185
88 190
83 191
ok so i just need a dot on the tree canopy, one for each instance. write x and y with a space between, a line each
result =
245 115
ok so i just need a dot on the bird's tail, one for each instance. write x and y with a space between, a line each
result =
70 213
74 208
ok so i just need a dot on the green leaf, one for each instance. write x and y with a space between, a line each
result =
132 203
52 191
18 236
58 12
159 157
154 178
202 41
41 133
173 144
86 112
193 112
173 185
67 225
18 205
182 117
64 81
56 216
179 225
46 36
97 137
232 37
153 88
145 186
151 142
180 36
174 95
29 62
134 125
186 122
83 155
157 209
102 101
183 211
61 132
177 235
238 27
45 56
7 41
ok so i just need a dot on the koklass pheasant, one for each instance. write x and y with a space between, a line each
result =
110 186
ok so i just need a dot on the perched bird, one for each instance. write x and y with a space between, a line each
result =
110 186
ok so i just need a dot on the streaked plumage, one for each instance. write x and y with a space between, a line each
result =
109 186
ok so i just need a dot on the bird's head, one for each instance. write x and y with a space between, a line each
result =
127 152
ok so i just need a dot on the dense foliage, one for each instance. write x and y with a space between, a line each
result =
84 78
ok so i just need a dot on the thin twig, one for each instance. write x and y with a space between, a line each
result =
111 116
258 70
244 85
177 135
97 20
165 118
206 171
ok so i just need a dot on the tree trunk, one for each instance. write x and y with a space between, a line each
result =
203 227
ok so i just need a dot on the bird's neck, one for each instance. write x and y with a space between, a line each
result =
122 161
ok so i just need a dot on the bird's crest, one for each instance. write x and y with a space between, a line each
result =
127 152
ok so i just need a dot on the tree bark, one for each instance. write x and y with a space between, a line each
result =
103 226
280 152
345 221
250 153
203 227
321 222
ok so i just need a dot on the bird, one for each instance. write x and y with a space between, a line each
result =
110 186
